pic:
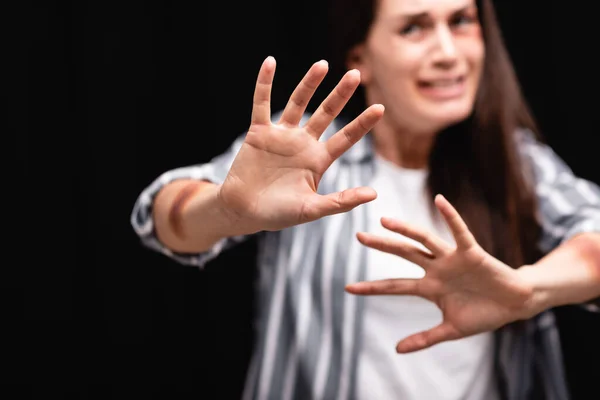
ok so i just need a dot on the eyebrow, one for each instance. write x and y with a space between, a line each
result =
419 15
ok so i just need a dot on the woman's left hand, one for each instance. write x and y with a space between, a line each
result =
475 291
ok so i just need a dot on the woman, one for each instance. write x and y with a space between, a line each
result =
465 220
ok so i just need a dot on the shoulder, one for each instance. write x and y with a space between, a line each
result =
545 162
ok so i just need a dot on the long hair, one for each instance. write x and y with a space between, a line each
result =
475 163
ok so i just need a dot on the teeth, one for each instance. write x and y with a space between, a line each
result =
444 83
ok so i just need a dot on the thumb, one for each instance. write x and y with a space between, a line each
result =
338 202
433 336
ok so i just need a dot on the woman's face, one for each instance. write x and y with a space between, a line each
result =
422 60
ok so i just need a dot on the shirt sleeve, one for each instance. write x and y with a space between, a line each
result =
568 205
141 216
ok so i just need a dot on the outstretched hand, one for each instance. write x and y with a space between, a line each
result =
273 181
475 291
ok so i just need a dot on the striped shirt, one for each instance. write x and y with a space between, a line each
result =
309 328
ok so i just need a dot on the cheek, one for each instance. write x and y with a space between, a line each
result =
407 67
412 59
474 51
396 70
478 55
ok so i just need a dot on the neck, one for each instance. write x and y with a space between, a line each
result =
404 148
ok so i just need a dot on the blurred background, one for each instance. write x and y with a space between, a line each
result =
110 95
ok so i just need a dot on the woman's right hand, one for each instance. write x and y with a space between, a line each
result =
272 183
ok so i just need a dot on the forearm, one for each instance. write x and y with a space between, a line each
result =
570 274
189 216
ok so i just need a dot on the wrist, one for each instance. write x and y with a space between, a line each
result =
539 299
230 219
206 215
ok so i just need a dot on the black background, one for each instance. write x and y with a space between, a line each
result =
111 94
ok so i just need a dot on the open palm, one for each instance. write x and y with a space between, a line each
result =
475 291
273 181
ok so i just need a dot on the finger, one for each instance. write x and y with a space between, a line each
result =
261 106
397 247
354 131
436 245
296 106
319 206
333 103
423 340
462 235
385 287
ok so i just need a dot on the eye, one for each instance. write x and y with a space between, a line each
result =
461 20
410 29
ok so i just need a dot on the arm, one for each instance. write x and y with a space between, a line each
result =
570 274
153 216
569 213
267 181
190 217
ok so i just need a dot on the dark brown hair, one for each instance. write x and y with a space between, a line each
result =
475 164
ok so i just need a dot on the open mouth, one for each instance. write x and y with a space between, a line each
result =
443 89
442 83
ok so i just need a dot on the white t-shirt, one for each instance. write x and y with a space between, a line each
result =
460 369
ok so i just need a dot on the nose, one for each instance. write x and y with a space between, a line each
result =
446 52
